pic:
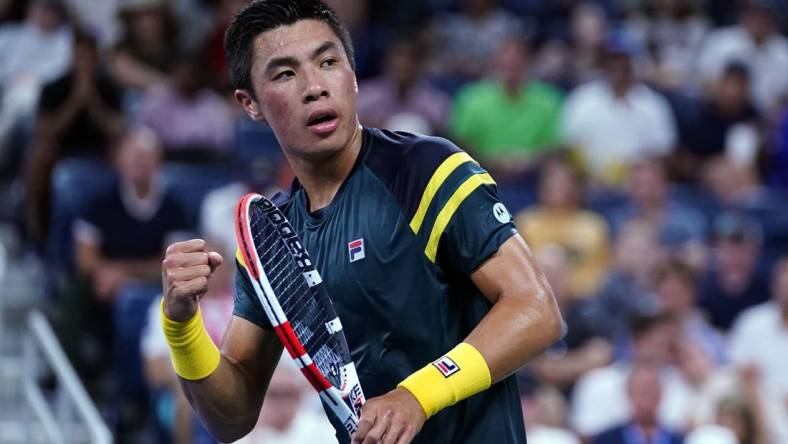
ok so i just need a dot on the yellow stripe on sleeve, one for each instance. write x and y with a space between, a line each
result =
240 257
448 210
441 173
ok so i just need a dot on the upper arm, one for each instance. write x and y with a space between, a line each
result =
512 272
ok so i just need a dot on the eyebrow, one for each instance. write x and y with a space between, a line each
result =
277 62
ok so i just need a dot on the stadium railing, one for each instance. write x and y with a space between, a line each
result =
75 417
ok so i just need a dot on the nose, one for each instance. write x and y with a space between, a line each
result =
314 89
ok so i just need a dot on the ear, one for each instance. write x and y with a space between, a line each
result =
249 104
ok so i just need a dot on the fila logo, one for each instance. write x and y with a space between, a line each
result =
446 366
501 213
356 250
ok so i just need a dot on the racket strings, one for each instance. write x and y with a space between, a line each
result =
298 301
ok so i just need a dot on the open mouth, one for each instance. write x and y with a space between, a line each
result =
323 122
321 117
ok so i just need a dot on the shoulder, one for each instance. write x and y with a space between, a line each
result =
755 318
406 163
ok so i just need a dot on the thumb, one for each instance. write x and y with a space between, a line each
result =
214 260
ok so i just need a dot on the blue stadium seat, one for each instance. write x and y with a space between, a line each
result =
74 183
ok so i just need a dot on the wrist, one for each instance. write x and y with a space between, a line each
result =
194 355
457 375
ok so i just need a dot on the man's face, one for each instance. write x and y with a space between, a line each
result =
305 88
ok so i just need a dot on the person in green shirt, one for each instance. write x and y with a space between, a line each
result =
507 119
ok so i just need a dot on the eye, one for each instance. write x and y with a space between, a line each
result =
284 75
328 63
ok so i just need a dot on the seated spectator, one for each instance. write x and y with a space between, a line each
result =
545 413
627 289
653 339
588 26
649 199
508 119
32 53
464 42
559 219
756 42
149 45
217 308
637 122
79 114
187 116
733 282
734 186
673 30
727 108
212 47
676 287
644 392
403 91
582 346
759 337
120 235
285 417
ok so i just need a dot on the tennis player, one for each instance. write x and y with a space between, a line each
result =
440 299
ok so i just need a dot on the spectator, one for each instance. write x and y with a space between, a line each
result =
508 119
644 391
733 283
217 308
727 109
653 338
545 413
465 42
649 199
46 35
673 31
402 91
559 219
149 45
212 47
79 114
676 288
637 122
582 346
285 418
187 116
120 235
626 290
733 185
759 337
589 26
756 42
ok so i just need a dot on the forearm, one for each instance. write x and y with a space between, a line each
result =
514 331
226 401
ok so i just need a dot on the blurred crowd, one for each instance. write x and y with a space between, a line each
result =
642 145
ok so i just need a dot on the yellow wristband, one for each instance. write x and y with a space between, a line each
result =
457 375
193 353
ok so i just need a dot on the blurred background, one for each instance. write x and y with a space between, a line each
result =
641 144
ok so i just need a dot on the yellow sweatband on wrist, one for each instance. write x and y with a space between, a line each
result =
457 375
193 353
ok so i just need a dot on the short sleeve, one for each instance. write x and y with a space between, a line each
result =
476 229
246 304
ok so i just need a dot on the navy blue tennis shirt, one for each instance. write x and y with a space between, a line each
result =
395 248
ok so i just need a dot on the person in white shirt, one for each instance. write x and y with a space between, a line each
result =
759 339
617 120
757 43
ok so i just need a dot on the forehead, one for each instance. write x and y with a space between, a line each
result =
293 40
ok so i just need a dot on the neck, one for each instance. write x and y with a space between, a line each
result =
322 177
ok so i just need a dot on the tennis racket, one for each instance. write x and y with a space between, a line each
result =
297 305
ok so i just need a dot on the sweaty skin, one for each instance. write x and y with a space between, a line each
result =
299 70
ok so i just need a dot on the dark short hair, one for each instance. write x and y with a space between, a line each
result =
260 16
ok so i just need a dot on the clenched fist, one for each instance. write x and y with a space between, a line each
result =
185 272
